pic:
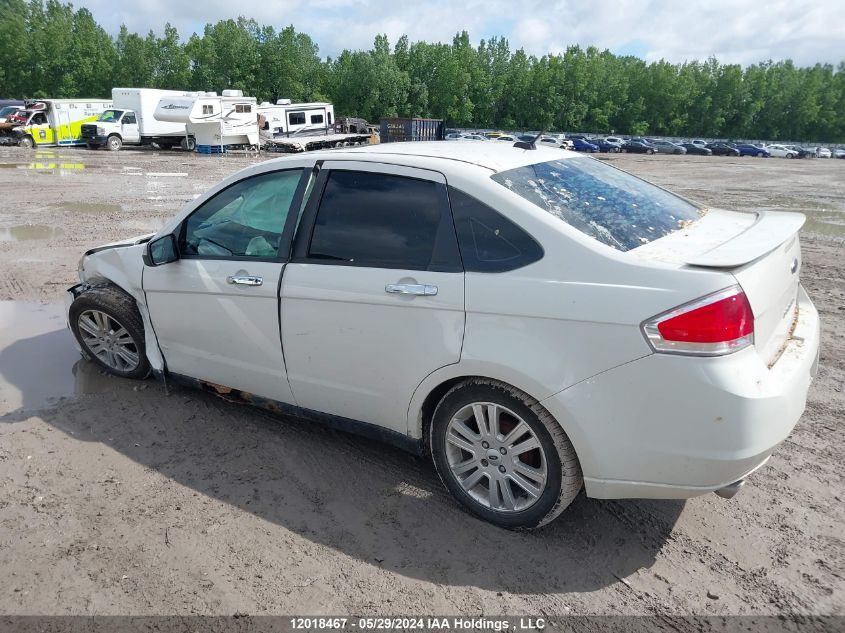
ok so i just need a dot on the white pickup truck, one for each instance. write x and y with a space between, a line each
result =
131 121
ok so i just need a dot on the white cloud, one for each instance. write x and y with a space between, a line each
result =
736 31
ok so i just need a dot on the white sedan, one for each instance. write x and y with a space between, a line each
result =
535 321
783 151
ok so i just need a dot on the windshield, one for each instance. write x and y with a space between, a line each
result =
8 110
110 115
608 204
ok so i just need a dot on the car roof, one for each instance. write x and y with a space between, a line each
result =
493 156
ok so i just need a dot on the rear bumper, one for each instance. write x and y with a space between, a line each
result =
668 426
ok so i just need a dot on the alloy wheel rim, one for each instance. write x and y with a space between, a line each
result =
108 340
495 457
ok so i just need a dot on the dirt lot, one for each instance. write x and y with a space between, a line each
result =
119 499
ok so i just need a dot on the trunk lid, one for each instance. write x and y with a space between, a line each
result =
761 250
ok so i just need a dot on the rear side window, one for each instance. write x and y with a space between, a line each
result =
608 204
383 221
490 243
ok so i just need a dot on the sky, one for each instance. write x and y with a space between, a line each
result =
734 31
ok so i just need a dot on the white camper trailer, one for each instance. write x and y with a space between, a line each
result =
286 118
131 121
214 121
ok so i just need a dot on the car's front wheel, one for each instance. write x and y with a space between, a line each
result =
502 455
105 321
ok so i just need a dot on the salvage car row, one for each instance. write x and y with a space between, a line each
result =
641 145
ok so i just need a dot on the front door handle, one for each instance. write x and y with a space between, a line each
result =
245 280
424 290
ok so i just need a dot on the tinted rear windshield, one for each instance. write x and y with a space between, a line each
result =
607 204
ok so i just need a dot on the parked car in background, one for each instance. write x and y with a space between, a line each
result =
697 150
823 152
839 153
7 111
699 142
549 141
580 145
667 147
782 151
606 146
722 149
639 147
453 136
507 138
493 135
746 149
614 139
473 137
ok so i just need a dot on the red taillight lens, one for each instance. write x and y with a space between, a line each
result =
720 323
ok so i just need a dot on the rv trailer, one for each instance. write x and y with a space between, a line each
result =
286 118
216 122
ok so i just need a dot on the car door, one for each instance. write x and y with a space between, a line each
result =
373 299
215 310
129 128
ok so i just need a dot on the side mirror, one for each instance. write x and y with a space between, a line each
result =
161 251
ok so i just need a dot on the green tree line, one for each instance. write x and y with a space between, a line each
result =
50 49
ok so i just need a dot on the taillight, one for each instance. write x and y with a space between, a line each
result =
714 325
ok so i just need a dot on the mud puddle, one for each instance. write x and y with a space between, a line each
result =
38 360
88 207
26 232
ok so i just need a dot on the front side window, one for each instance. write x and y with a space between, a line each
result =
296 118
130 119
381 221
608 204
244 220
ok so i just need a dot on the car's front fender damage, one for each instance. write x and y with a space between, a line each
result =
121 265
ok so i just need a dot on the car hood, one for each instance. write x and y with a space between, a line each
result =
140 239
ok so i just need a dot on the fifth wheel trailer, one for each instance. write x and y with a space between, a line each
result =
131 121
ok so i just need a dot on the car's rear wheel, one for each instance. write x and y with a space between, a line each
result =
649 151
106 323
502 455
790 155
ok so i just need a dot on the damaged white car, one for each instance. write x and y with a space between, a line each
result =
536 321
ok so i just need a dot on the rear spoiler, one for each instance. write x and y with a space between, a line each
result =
770 230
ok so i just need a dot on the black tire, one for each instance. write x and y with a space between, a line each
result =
189 144
564 479
114 143
91 145
790 155
26 142
649 151
121 308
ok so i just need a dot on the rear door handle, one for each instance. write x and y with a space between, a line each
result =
423 290
245 280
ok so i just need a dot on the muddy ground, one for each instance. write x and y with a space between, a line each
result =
116 498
